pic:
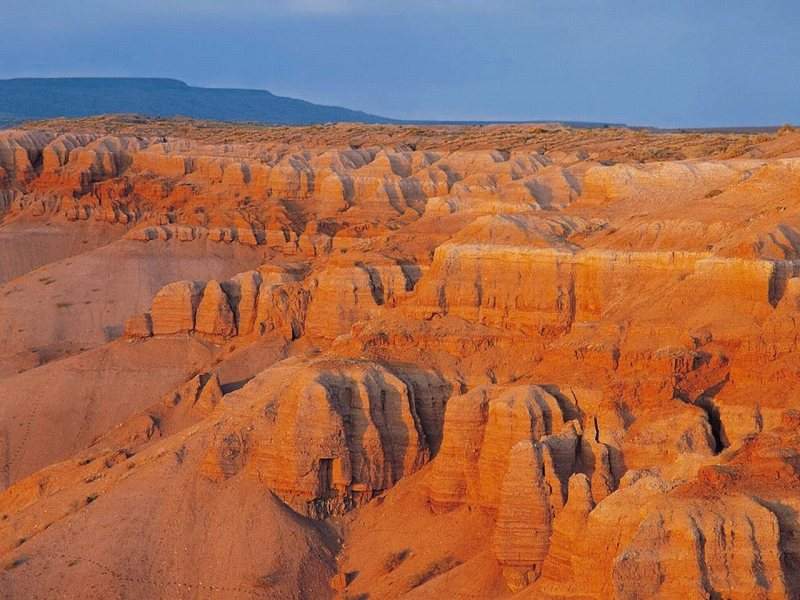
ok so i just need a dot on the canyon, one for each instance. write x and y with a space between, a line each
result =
398 361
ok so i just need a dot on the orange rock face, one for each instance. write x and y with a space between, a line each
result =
175 306
214 316
398 362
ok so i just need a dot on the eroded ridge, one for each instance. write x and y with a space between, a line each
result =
398 362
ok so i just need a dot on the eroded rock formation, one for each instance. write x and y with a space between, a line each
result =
478 362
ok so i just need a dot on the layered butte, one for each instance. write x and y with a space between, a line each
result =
398 362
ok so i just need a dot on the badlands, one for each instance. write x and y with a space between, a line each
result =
377 361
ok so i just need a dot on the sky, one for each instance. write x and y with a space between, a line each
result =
671 63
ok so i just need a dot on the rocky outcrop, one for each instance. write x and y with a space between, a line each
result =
519 414
508 449
242 291
524 519
700 549
568 528
656 539
282 309
343 294
654 439
19 150
482 283
139 326
174 308
214 315
480 430
248 304
343 436
336 435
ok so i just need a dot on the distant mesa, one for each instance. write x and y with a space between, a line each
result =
31 98
44 98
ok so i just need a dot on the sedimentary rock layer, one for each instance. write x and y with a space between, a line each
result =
398 362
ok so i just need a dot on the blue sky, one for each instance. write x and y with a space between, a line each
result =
665 62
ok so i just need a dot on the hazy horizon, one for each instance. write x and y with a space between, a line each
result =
680 65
